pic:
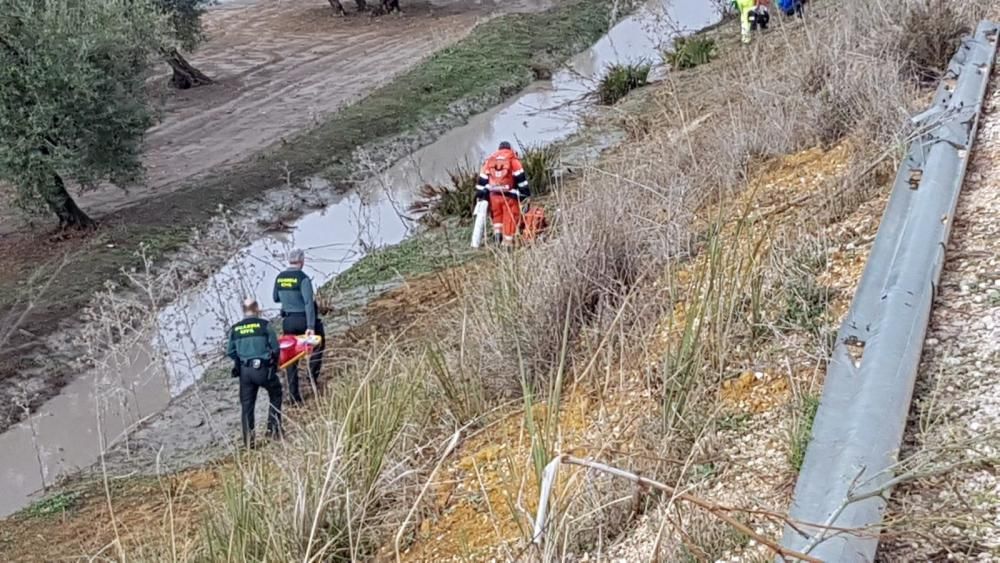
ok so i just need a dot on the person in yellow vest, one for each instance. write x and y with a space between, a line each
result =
744 7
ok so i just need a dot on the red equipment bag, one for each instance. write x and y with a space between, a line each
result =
534 224
294 348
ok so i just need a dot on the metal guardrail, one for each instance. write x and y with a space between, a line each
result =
869 384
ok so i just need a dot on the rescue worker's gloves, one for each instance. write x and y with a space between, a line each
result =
235 372
482 194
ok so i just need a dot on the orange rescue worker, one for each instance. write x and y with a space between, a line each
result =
503 183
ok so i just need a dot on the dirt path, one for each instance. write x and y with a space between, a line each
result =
281 66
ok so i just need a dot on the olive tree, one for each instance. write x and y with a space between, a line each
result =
185 23
383 6
73 109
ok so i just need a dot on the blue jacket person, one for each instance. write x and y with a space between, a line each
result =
253 345
300 315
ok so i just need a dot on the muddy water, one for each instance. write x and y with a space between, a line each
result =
68 431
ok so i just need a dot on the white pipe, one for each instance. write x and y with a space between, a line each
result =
482 207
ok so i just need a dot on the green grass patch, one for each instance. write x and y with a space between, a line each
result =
53 504
620 79
689 52
801 430
429 251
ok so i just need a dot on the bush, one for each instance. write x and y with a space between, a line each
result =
931 33
689 52
540 162
620 79
457 199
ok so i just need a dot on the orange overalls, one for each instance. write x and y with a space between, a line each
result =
503 181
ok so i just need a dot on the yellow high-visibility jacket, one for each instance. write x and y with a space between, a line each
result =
744 6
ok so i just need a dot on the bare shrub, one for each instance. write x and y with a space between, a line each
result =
930 34
575 278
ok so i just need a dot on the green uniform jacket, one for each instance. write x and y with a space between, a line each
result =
294 290
252 338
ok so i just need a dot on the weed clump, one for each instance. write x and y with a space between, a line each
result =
540 162
55 504
689 52
456 199
801 431
620 79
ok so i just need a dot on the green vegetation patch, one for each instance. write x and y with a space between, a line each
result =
689 52
620 79
55 504
801 431
426 252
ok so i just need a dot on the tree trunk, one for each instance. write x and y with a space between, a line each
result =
62 204
185 75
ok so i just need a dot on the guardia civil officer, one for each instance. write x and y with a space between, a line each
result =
253 345
300 315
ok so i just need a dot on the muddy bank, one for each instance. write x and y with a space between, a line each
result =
202 424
